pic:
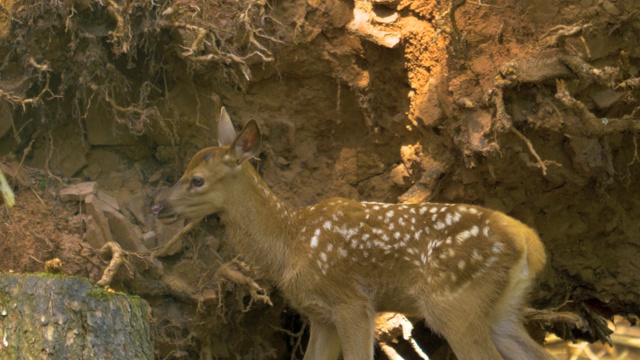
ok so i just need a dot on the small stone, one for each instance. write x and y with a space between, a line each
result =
157 176
150 239
77 192
611 9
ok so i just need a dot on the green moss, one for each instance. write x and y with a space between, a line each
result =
102 294
51 276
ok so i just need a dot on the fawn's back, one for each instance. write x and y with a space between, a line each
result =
391 249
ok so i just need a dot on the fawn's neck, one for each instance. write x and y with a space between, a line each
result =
259 224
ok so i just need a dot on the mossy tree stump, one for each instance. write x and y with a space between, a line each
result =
55 317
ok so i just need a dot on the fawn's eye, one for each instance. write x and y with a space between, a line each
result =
197 181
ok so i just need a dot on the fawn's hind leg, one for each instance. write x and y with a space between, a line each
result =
324 343
355 324
472 342
514 343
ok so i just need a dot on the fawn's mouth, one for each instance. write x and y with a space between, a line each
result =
166 215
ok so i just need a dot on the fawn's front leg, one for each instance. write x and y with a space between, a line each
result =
355 325
324 343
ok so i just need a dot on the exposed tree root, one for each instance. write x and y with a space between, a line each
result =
592 126
117 259
233 271
502 123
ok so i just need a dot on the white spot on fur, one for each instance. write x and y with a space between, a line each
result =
475 230
439 225
475 255
323 256
342 252
485 231
448 219
314 239
396 235
461 264
329 247
497 247
423 210
327 225
462 236
433 210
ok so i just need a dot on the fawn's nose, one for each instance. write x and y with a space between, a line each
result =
156 209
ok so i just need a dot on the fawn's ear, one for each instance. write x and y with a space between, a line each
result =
226 132
247 144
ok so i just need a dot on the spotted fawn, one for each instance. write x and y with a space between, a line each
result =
464 269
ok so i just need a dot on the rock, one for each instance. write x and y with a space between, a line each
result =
139 209
78 192
587 155
156 177
93 235
611 9
166 232
108 199
150 239
124 232
427 104
92 171
95 208
81 321
606 97
115 226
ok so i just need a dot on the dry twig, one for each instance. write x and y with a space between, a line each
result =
165 249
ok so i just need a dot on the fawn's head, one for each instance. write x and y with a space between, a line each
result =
212 172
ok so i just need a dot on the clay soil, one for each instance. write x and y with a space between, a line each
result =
528 107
